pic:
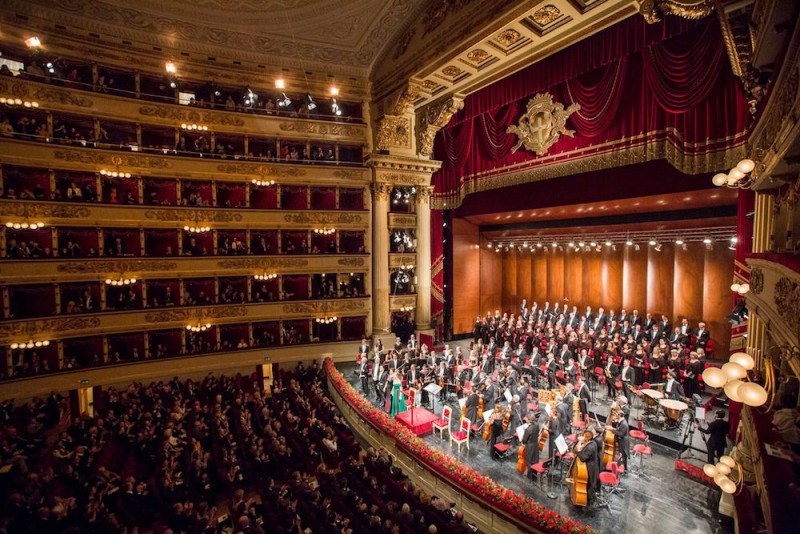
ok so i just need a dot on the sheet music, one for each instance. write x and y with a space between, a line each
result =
486 416
507 395
433 388
462 401
521 430
561 444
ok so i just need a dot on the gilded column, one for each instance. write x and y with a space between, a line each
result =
423 258
381 319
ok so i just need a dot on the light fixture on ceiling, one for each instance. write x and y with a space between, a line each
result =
657 246
739 177
652 242
280 83
33 42
25 225
121 281
12 101
334 90
170 68
194 127
265 277
262 183
740 288
195 328
629 243
326 320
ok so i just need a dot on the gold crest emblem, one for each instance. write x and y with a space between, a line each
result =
542 124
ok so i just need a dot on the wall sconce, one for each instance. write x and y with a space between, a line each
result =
121 281
324 230
740 177
727 474
732 378
194 127
326 320
198 327
265 277
263 183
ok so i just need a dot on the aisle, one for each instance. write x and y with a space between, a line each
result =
670 502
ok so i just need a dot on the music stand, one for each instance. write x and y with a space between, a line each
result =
433 390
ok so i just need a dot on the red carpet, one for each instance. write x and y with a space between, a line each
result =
419 420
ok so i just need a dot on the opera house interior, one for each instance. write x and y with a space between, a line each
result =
399 266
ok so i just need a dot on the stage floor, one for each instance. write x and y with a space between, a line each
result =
670 502
419 420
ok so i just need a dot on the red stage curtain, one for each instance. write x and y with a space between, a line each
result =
673 78
682 72
599 93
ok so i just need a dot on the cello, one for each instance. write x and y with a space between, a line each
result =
579 490
609 439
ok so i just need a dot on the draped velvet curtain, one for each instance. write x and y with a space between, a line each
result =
636 84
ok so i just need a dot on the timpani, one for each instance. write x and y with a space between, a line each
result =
673 411
650 397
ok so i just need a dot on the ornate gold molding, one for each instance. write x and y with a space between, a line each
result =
105 158
46 326
394 131
757 280
397 220
263 170
787 302
191 215
351 262
431 120
116 266
397 302
407 97
338 130
652 10
322 218
405 179
546 14
261 263
187 114
33 209
195 314
322 306
349 174
542 124
43 94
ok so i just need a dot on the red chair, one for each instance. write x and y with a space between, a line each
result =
609 482
443 423
642 449
599 373
542 469
638 433
462 434
618 469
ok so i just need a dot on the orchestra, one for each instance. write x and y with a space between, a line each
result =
542 370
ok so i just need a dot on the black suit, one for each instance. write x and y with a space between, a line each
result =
585 398
531 440
623 442
718 431
626 377
589 455
702 338
674 390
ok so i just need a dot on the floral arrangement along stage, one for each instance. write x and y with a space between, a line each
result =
492 493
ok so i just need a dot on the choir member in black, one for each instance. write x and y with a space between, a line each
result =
387 390
717 431
626 377
611 372
582 392
363 374
619 426
587 451
530 438
692 371
673 389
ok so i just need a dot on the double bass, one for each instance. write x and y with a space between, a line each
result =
579 490
609 439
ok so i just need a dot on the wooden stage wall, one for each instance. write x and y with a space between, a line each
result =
692 283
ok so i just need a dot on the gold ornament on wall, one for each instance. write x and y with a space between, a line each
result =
394 132
542 124
508 37
545 15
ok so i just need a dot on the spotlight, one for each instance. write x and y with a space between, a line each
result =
581 244
657 248
170 67
280 83
652 242
608 243
629 242
173 85
311 104
334 90
637 248
707 241
538 245
679 241
335 108
284 102
33 42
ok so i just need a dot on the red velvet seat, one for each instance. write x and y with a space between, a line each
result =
638 433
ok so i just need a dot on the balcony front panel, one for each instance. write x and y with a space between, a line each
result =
95 269
149 163
402 302
101 215
151 319
104 106
402 220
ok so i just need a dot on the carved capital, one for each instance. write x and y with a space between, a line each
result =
432 119
424 194
406 98
381 192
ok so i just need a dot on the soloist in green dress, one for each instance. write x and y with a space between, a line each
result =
398 399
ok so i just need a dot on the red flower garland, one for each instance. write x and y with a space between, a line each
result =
493 493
